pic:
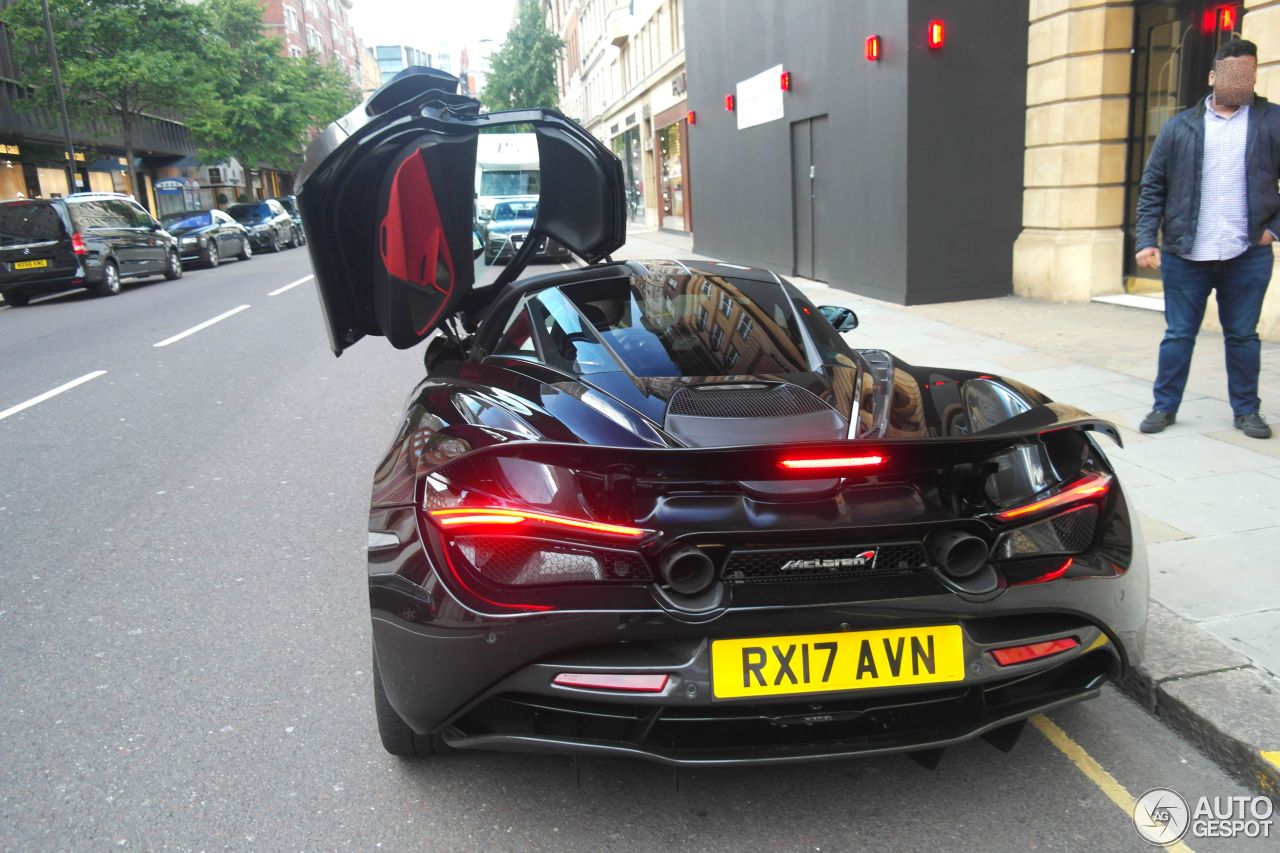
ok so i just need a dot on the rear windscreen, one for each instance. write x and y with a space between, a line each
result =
249 212
29 223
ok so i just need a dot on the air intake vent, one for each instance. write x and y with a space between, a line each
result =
745 401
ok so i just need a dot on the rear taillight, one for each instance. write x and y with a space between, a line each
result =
459 517
1089 487
77 244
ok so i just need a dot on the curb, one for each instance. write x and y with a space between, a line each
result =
1212 696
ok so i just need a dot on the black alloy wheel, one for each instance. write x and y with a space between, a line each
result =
110 284
173 266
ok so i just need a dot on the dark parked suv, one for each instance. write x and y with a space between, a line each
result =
94 240
269 225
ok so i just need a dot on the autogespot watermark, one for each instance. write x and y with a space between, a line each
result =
1162 817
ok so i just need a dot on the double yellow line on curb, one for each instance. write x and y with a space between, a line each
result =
1096 773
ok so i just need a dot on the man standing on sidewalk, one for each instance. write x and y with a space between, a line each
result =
1211 183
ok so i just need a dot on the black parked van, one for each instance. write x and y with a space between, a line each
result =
94 240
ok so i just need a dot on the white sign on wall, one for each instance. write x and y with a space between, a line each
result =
759 98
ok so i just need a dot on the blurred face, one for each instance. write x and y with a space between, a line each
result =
1233 80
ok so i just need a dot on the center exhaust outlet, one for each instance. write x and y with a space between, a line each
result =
687 570
957 553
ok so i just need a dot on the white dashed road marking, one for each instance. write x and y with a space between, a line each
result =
206 324
13 410
291 284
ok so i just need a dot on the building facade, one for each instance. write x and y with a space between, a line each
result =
622 76
1004 159
33 155
321 28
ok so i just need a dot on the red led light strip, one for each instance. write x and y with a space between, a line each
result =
1049 576
466 516
1092 486
830 462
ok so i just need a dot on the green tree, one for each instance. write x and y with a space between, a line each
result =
522 73
120 60
264 103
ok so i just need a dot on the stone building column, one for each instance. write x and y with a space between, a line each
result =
1078 73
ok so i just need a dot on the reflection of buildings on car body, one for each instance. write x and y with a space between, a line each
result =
621 75
1005 159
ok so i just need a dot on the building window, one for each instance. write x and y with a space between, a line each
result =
313 38
334 32
744 327
726 305
215 175
730 357
703 317
295 51
717 335
290 19
705 289
312 8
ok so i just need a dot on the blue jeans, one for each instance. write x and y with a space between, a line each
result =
1240 283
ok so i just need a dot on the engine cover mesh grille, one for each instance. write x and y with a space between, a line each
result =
772 401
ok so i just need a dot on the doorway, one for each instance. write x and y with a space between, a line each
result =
1174 46
809 198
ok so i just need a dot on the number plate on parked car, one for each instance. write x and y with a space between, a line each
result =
30 265
849 660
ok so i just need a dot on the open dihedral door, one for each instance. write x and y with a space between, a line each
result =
387 198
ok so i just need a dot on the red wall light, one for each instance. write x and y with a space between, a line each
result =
729 103
935 35
871 48
691 117
786 81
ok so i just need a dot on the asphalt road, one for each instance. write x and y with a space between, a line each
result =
184 636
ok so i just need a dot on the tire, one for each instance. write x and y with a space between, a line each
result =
246 250
211 256
489 257
294 242
17 300
110 284
275 242
397 737
173 266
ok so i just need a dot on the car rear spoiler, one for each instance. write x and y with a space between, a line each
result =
765 462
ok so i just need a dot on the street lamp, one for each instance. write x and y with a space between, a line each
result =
62 99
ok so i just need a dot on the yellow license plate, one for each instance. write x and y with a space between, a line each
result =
849 660
30 265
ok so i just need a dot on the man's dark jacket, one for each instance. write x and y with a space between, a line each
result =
1170 194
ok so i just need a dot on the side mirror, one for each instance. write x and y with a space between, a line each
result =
841 319
477 245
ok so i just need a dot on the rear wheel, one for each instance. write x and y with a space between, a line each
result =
211 257
17 300
397 737
276 244
110 284
246 251
173 265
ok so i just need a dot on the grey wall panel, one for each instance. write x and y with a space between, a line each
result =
888 190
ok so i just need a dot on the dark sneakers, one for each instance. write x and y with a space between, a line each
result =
1158 420
1251 425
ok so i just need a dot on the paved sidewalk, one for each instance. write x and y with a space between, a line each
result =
1208 497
